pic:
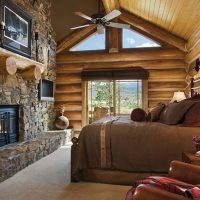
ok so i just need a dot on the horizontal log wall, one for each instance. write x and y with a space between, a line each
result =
163 83
166 77
69 94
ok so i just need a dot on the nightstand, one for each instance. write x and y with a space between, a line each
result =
190 157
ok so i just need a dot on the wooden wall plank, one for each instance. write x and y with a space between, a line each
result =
160 94
167 73
146 64
68 88
134 55
68 78
73 115
167 85
73 97
76 124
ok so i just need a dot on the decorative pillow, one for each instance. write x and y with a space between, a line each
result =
174 112
192 116
155 112
138 115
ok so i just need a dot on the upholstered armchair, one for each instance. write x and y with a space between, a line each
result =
178 170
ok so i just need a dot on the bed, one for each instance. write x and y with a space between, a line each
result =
119 150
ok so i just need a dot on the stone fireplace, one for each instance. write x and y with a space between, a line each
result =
31 139
35 116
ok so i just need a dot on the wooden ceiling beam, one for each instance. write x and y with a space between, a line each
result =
134 55
153 30
110 5
74 38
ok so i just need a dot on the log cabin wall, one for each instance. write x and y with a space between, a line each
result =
163 83
170 66
69 94
166 77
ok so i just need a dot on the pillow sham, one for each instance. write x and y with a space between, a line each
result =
155 112
192 116
138 115
174 112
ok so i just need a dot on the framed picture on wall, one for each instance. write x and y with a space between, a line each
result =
16 36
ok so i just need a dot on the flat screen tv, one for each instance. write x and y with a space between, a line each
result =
46 90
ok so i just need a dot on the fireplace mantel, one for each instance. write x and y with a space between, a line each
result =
21 61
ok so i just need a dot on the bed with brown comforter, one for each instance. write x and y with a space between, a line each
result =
115 149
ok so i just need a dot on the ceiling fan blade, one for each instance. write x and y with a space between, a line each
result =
100 29
111 15
117 25
80 14
77 27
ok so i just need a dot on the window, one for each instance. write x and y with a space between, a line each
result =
131 39
113 98
93 42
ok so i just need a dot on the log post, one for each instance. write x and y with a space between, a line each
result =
8 65
31 73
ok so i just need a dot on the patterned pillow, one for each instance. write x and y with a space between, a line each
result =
138 115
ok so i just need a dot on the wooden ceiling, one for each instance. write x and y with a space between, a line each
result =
176 23
180 17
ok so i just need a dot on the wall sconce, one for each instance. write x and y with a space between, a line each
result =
178 96
36 45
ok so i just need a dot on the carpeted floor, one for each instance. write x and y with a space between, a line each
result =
49 179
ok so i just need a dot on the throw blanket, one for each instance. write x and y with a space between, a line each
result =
170 185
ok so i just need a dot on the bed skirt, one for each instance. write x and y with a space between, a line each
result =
114 176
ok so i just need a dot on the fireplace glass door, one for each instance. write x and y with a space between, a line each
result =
9 124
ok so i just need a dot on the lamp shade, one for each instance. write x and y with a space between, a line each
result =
178 96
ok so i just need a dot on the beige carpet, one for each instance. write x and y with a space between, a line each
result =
49 179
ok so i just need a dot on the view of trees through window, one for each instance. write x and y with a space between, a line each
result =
113 97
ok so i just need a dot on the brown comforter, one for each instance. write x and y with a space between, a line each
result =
119 143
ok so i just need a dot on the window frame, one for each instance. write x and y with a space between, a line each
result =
85 106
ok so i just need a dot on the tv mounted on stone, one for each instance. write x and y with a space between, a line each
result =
46 90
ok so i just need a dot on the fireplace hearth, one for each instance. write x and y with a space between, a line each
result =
9 124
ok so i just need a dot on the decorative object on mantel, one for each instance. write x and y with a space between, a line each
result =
61 122
17 29
178 96
2 29
8 65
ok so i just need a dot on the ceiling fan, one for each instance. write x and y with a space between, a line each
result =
100 21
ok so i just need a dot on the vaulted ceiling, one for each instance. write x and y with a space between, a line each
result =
180 17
